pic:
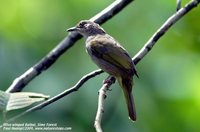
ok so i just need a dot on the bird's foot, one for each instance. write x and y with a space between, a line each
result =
109 80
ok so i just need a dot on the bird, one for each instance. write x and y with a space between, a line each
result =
111 57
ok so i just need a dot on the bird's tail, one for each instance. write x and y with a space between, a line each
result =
126 84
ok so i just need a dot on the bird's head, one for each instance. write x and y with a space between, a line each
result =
87 28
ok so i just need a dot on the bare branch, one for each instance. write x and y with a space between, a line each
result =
20 82
100 110
163 29
102 97
59 96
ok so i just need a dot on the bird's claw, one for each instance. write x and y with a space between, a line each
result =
109 80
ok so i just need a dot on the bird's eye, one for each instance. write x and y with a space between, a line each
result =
82 24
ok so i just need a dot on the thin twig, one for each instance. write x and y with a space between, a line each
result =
59 96
163 29
178 4
100 110
20 82
102 97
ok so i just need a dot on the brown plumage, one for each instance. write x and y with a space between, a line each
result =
111 57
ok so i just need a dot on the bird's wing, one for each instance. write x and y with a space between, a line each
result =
110 51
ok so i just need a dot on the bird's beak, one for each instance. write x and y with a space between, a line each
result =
72 29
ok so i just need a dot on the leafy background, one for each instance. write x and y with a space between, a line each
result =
167 94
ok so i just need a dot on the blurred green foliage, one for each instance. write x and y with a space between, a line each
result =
167 94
